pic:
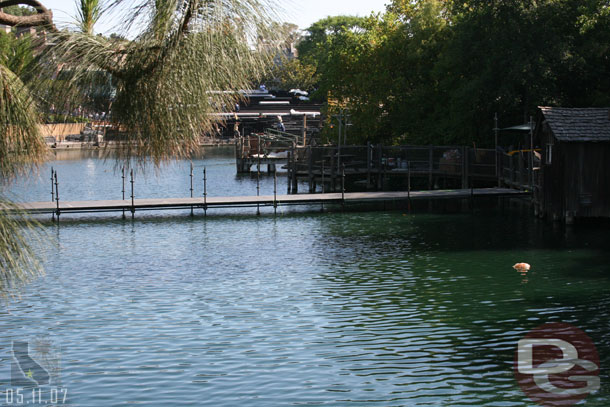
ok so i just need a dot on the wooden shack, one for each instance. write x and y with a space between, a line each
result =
574 175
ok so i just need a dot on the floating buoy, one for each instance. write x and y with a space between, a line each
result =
522 267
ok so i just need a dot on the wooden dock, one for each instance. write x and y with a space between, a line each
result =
132 206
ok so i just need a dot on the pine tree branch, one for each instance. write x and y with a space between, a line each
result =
43 16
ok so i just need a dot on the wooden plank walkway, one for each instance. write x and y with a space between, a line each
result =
254 201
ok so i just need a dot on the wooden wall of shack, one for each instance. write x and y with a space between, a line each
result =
576 183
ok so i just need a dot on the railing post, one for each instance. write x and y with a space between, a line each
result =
380 168
205 192
133 208
332 172
58 212
464 167
52 188
52 193
430 166
343 185
258 176
275 192
123 188
289 177
295 175
310 169
191 189
369 158
409 185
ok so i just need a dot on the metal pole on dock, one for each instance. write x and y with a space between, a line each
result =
133 208
275 192
52 188
258 176
289 177
192 186
531 160
57 196
205 192
496 130
342 185
52 192
123 190
409 185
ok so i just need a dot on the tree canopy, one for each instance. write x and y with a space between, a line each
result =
436 71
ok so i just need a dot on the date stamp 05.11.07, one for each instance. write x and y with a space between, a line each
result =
34 374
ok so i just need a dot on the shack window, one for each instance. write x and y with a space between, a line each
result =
549 154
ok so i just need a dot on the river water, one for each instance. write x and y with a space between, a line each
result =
300 308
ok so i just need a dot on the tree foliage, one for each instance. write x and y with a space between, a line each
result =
163 86
436 71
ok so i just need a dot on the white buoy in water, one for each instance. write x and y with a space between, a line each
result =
522 267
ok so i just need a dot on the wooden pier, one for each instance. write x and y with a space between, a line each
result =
205 203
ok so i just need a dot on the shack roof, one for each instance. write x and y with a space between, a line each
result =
578 124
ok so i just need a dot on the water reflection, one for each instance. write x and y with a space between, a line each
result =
340 309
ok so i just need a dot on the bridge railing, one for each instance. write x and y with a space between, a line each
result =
466 165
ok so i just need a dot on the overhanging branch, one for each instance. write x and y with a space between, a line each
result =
43 16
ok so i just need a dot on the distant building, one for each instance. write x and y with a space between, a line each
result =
5 28
574 179
21 31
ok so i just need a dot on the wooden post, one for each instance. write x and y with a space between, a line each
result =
295 181
332 173
521 168
310 169
511 167
323 183
133 208
464 168
289 177
304 129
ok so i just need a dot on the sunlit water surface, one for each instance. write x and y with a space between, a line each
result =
298 308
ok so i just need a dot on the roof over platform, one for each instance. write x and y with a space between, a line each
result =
578 124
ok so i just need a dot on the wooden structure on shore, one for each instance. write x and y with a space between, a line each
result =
375 167
574 176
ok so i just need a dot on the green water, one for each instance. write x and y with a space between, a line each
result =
302 308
